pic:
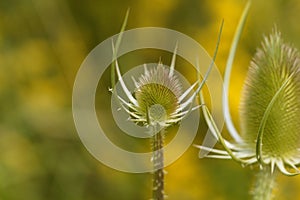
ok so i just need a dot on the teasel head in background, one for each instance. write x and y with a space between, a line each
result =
269 113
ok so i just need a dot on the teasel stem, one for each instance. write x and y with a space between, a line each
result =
264 185
158 165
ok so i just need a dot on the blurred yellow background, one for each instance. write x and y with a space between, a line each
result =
42 45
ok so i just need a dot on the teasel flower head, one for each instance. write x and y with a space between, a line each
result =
270 106
158 98
270 110
157 93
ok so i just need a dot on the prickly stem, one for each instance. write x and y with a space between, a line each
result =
158 166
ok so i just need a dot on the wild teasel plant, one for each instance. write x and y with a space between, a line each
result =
157 102
270 113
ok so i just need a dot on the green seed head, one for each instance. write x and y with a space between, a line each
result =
157 93
271 66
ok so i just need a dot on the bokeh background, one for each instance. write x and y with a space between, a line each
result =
42 45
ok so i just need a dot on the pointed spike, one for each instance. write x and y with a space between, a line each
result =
126 103
127 92
222 152
190 101
210 66
134 82
219 157
187 91
179 114
130 113
146 70
116 48
213 59
290 163
172 67
272 166
283 170
226 111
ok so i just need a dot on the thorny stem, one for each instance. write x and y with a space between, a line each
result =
158 166
265 183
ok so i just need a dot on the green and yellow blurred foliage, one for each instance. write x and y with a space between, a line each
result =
42 45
